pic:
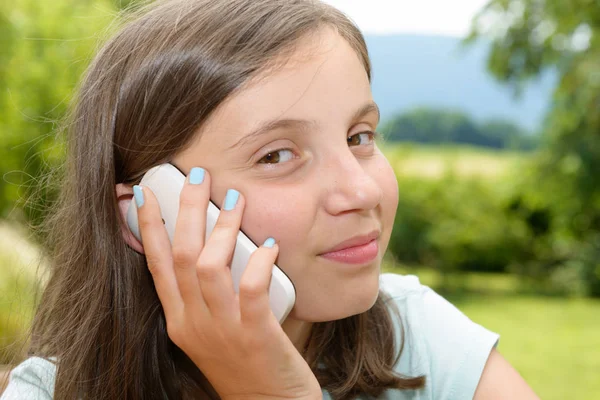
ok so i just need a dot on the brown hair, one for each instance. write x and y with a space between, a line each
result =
143 99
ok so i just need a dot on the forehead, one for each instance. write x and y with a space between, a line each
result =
324 81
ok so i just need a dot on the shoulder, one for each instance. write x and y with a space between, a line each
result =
32 379
440 341
401 286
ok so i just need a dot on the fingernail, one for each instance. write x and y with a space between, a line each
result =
196 176
139 196
231 199
270 242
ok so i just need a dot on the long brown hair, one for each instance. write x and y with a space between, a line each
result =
143 98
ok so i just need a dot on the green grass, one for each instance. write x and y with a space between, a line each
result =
17 289
554 343
436 161
16 311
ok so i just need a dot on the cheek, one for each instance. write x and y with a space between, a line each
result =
391 193
387 181
278 212
386 178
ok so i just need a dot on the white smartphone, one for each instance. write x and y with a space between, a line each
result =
166 182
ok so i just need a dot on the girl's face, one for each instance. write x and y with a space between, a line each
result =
314 179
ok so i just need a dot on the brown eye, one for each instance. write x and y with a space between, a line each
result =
360 138
277 157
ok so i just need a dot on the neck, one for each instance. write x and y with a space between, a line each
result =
298 331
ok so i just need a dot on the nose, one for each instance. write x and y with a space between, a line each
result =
348 184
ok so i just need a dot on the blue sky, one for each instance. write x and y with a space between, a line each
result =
431 17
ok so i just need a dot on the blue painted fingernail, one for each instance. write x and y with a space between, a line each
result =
231 199
270 242
139 196
196 176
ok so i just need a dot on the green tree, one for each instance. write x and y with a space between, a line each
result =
510 135
428 125
530 37
44 48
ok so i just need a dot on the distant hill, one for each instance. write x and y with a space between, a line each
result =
435 71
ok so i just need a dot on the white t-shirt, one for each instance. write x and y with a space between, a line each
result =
440 343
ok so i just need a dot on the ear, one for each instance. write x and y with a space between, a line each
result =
124 197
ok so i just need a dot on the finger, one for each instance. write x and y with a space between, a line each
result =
213 269
190 230
157 249
254 285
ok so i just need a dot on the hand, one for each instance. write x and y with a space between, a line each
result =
235 340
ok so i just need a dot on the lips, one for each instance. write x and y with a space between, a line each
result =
355 241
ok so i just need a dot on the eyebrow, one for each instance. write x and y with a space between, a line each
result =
301 124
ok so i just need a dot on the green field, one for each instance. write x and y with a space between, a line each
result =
464 161
554 343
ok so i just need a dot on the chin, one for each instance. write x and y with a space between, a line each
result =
337 307
367 301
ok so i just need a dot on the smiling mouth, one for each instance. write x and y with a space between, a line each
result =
356 250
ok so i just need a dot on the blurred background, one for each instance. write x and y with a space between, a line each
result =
491 119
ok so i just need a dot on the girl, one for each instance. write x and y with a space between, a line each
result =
266 106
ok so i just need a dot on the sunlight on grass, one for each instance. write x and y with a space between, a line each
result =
437 161
18 264
554 343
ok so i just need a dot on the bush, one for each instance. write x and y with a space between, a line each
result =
507 223
455 224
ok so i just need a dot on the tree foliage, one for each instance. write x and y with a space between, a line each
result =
528 38
44 48
440 126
